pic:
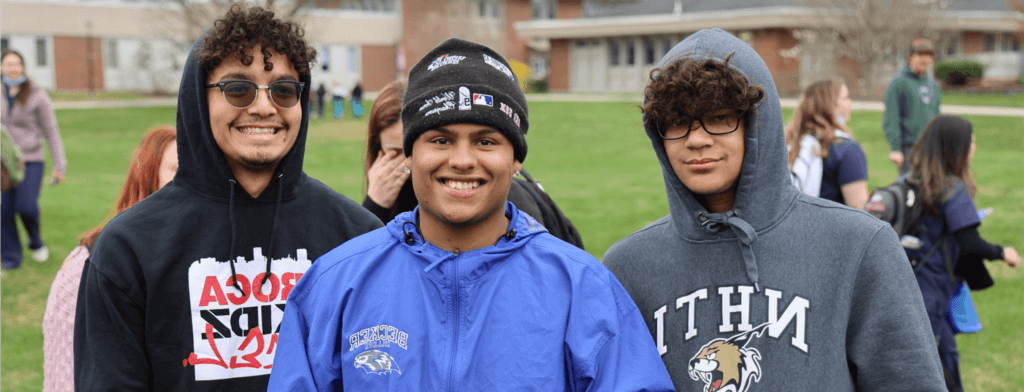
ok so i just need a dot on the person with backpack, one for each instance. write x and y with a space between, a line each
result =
465 292
940 173
825 159
389 190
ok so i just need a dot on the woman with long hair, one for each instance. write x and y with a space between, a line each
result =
388 189
152 165
823 155
940 169
28 117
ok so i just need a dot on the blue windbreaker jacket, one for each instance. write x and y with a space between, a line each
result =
388 311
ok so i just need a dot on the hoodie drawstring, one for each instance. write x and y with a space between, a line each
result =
716 222
231 217
277 211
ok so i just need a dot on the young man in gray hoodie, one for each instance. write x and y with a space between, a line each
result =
748 284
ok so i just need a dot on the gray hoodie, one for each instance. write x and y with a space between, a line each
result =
785 292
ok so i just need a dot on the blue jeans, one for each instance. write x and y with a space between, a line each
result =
23 201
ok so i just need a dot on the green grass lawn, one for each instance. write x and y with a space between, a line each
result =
1013 100
593 158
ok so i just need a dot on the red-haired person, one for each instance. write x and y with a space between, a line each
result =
825 159
152 165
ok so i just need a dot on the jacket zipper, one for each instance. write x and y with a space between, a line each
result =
455 321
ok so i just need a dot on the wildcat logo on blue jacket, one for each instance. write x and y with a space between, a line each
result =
377 362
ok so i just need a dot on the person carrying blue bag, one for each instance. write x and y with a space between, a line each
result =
940 162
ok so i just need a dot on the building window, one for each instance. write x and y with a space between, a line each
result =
489 9
613 53
990 43
544 9
3 44
649 51
1011 43
111 53
325 58
666 45
352 67
41 51
630 52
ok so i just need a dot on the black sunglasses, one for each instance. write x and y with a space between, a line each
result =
241 94
717 123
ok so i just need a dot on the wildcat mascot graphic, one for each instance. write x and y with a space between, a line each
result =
727 365
377 362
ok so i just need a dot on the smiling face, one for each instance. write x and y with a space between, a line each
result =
462 174
708 165
256 138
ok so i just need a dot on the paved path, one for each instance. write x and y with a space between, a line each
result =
561 97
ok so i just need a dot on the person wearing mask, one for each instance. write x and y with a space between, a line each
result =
186 289
826 160
732 290
465 292
28 118
151 166
911 100
940 169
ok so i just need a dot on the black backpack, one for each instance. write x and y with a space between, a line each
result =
899 204
550 215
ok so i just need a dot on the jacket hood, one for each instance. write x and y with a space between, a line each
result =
764 191
521 228
201 163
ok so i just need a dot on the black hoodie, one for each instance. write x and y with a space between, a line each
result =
161 276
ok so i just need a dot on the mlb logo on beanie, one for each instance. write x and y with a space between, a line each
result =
464 82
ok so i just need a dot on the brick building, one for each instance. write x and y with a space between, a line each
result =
574 45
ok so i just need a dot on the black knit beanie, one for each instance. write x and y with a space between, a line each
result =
464 82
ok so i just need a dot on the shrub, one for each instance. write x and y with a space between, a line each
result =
537 86
956 72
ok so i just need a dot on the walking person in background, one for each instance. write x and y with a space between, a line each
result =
912 100
940 169
826 160
320 93
749 284
339 101
357 101
26 113
151 166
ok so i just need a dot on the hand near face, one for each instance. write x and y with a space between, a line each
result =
386 177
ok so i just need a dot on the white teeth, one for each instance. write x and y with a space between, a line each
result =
257 131
462 185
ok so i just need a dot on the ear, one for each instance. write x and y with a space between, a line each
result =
517 166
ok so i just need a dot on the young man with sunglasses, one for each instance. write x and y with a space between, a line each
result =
186 290
465 292
749 284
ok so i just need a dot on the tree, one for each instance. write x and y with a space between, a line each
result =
872 33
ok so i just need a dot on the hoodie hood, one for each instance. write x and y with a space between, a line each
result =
764 191
201 163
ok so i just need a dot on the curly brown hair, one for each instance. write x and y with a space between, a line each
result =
244 27
692 87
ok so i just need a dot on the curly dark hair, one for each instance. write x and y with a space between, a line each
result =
244 27
692 87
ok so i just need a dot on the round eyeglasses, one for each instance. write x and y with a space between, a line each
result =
241 94
717 123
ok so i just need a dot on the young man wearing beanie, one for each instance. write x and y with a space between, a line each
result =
910 102
465 292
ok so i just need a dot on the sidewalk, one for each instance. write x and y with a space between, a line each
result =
875 106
